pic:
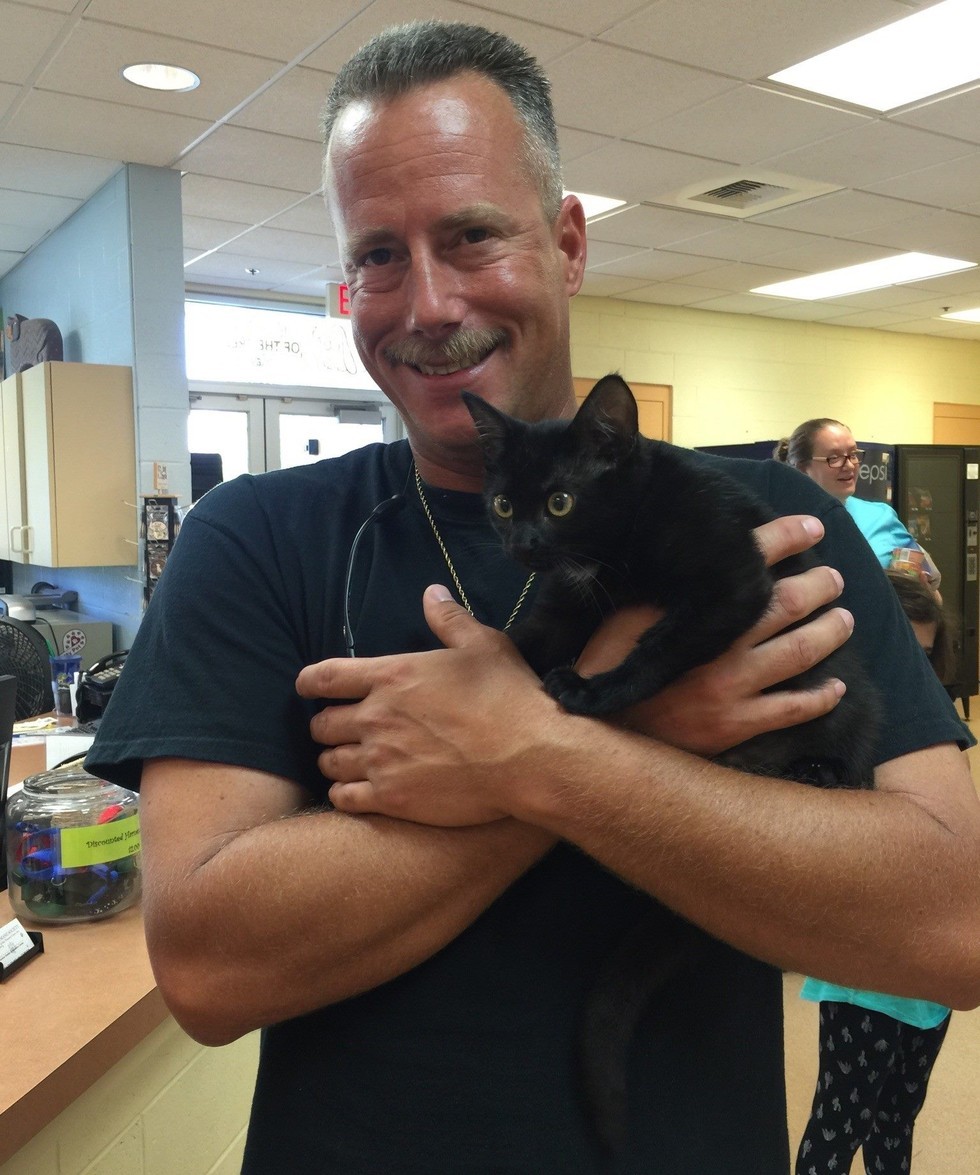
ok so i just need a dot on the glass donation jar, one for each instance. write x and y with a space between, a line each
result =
73 847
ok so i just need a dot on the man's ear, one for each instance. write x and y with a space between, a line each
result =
570 237
492 425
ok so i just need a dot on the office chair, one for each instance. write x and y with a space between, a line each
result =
8 695
24 654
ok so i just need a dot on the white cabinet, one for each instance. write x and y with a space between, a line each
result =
69 476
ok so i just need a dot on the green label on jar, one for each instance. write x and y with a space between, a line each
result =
98 843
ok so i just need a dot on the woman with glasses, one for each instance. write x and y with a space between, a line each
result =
826 452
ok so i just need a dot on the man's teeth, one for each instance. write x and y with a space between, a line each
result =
427 370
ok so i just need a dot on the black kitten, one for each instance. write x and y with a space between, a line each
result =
608 518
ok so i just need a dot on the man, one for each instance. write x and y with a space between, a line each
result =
421 974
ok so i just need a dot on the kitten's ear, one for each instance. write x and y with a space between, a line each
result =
492 425
609 413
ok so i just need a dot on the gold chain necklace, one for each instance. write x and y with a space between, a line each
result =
449 563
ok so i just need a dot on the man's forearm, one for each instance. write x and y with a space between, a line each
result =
296 913
875 889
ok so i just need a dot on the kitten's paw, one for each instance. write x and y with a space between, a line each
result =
571 690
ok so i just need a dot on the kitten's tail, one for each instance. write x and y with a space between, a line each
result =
646 957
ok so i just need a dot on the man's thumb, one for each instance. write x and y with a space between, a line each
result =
449 621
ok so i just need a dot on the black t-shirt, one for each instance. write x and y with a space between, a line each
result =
465 1064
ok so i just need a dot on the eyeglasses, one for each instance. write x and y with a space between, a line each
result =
836 460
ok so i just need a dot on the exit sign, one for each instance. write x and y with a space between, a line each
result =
338 301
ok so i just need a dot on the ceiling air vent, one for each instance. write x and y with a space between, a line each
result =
744 194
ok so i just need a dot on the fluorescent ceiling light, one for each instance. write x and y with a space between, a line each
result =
597 205
964 315
161 77
920 55
872 275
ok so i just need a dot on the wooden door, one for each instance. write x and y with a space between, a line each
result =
652 400
956 424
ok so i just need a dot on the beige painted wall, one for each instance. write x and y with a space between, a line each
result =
739 378
171 1107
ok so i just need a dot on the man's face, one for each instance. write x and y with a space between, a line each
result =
456 279
842 481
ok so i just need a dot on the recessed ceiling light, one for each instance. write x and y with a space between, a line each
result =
153 76
920 55
872 275
597 205
964 315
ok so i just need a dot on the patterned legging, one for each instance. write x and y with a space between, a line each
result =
874 1072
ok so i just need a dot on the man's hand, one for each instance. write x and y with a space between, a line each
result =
717 706
432 737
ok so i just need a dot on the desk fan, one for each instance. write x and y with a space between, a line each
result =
24 654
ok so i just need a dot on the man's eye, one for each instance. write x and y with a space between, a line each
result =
476 236
379 256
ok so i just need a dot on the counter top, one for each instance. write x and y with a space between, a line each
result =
68 1015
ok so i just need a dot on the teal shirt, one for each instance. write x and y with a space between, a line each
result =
881 526
918 1013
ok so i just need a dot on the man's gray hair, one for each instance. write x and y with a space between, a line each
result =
405 57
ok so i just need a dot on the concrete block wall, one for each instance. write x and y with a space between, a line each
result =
740 378
171 1107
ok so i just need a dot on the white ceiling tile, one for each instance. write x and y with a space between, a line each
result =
308 216
27 33
932 231
825 253
655 265
584 99
745 125
604 252
652 227
206 195
750 39
841 214
671 294
962 284
740 277
580 16
573 143
952 184
15 238
283 31
871 153
291 106
734 304
7 95
35 210
609 285
90 64
101 129
237 153
740 240
634 172
36 169
201 233
235 266
542 42
303 248
957 116
940 327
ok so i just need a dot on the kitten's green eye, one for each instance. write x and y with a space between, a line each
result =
502 507
560 504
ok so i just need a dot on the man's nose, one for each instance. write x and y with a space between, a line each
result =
435 301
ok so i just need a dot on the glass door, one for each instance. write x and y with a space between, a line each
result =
254 433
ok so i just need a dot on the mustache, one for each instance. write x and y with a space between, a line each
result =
463 348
